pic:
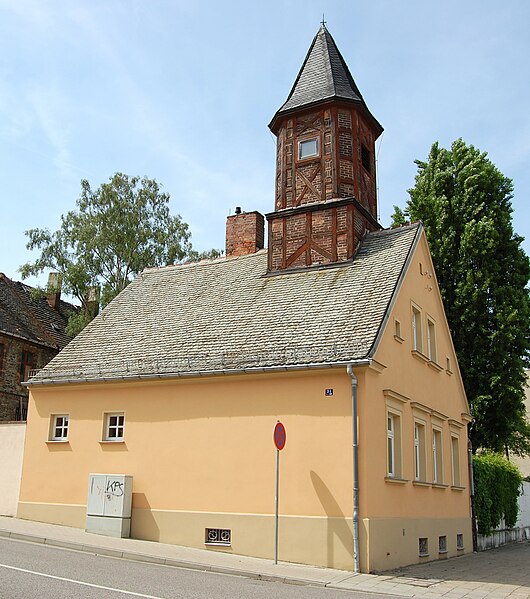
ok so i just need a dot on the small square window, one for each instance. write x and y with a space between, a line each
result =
114 427
423 547
307 148
59 427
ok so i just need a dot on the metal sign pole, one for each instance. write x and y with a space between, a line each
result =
277 502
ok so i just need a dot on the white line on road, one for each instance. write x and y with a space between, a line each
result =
86 584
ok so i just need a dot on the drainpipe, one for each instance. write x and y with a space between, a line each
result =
472 495
355 447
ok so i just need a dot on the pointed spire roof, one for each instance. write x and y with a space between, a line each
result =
324 76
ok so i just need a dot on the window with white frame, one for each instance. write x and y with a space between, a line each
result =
455 458
419 451
59 427
308 148
114 423
417 344
437 463
393 433
431 339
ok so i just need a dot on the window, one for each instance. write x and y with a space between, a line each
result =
114 427
416 330
59 427
442 544
460 541
437 464
397 330
455 458
366 158
431 340
393 433
307 148
423 547
27 363
419 451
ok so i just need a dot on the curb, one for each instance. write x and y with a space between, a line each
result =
161 561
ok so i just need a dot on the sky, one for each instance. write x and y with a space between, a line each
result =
183 91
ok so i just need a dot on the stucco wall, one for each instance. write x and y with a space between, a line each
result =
11 449
201 453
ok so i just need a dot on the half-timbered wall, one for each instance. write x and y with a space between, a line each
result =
308 226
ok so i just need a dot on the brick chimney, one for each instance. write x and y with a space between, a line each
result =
53 292
244 233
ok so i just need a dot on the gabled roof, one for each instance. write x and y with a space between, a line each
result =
229 315
26 314
324 76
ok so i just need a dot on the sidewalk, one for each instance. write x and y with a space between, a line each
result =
494 574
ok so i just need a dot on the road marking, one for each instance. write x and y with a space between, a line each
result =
86 584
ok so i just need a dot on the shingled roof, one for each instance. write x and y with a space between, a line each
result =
27 315
324 76
229 315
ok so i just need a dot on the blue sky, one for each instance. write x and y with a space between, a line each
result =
183 91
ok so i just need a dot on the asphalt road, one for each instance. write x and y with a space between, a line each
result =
30 570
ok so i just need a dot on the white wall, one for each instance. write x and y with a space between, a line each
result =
523 519
12 435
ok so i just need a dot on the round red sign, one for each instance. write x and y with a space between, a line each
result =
279 435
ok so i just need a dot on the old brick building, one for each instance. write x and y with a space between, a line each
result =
32 332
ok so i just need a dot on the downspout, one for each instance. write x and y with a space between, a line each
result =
355 447
472 495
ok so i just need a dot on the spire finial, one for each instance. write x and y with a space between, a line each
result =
323 22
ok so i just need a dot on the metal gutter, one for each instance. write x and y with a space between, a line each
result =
194 374
355 450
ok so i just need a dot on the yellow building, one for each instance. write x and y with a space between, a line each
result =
337 330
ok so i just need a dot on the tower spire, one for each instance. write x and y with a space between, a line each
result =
325 168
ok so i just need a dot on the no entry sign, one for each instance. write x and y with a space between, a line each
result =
279 436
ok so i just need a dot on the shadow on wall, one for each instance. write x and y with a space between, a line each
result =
143 523
337 525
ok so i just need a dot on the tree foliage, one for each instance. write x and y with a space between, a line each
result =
497 487
117 230
464 202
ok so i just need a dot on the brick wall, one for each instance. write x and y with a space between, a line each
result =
244 233
13 395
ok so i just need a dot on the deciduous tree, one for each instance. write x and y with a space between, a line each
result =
464 202
117 230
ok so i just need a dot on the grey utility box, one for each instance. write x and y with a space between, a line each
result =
109 504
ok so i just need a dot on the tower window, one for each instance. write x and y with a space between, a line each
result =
307 148
366 158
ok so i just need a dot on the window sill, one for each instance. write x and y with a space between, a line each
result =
439 486
396 480
435 366
457 488
423 554
449 372
417 354
421 483
55 441
399 339
442 552
109 442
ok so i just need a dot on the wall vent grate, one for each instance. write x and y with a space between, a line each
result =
218 536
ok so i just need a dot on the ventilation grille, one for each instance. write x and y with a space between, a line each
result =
218 536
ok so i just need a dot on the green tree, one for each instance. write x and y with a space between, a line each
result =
464 202
116 231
